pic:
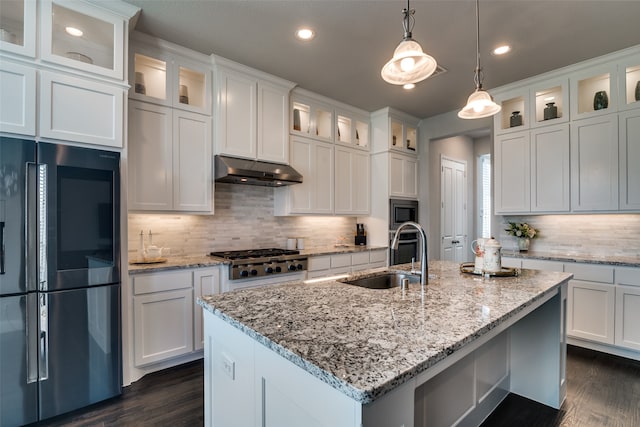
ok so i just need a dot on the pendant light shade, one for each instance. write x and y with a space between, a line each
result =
480 103
409 63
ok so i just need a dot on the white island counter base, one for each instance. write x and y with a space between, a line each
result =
332 354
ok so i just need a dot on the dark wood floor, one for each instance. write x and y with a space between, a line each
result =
602 390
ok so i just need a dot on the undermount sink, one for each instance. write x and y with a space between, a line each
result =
386 280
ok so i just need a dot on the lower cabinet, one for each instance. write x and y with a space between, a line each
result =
167 322
330 265
628 308
591 311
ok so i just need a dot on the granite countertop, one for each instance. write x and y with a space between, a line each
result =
197 261
619 260
367 342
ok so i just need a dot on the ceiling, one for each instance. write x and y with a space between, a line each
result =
354 39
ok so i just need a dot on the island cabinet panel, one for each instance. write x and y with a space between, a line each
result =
206 281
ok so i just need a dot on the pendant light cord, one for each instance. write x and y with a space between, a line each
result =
478 71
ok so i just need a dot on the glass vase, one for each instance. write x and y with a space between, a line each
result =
523 244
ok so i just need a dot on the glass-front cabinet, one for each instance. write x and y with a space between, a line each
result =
18 27
162 77
629 74
593 92
81 36
514 115
404 136
313 119
352 129
549 102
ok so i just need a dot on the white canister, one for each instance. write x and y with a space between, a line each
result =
300 243
492 257
291 243
478 250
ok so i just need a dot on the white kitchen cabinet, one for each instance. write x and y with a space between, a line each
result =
18 18
352 181
629 76
81 110
515 103
206 281
167 74
627 307
511 262
403 176
352 128
544 265
346 263
18 101
546 97
629 158
591 303
315 161
378 258
163 316
586 83
251 113
594 164
549 169
169 159
512 173
312 116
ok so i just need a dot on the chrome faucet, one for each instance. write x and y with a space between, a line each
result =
423 254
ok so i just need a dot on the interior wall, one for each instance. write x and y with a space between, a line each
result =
433 128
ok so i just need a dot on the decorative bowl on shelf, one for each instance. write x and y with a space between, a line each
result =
77 56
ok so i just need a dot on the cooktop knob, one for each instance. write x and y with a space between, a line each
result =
244 273
292 267
278 269
268 270
254 272
300 266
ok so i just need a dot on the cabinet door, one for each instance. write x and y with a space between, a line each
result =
403 176
628 317
205 282
630 160
323 176
236 114
299 197
273 123
512 173
18 101
594 164
410 177
19 25
590 313
550 169
150 157
361 183
163 325
191 162
75 109
343 181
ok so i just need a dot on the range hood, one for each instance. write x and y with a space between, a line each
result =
252 172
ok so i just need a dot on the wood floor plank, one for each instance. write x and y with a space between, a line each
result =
602 390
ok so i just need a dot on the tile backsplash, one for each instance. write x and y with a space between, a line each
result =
243 220
614 234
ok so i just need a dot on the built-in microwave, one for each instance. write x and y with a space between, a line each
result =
402 211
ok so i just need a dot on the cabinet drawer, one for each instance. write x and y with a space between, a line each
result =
159 282
511 262
342 260
378 256
537 264
360 258
319 263
592 273
628 276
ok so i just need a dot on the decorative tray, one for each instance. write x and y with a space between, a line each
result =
469 268
148 261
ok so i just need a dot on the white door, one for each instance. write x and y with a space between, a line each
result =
453 213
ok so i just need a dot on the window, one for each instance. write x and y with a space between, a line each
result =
485 195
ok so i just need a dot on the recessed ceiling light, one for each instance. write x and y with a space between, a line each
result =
501 50
305 34
76 32
409 86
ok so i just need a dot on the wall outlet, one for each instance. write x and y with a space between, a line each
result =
229 366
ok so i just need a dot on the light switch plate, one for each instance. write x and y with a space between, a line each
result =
229 366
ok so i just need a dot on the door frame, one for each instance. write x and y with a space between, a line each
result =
464 200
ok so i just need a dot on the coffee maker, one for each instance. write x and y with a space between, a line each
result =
361 235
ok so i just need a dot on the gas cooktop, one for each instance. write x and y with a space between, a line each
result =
262 262
254 253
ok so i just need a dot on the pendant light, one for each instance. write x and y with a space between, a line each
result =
480 104
409 63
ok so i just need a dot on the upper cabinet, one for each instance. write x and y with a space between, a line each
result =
398 131
315 116
162 73
629 82
82 36
251 113
515 113
18 27
549 102
594 91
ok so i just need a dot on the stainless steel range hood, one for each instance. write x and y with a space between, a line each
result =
252 172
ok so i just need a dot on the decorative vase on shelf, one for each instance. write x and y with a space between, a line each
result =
600 100
551 111
515 119
523 244
638 91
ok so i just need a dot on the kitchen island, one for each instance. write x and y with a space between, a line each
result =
334 354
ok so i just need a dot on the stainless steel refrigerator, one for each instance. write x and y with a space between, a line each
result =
60 332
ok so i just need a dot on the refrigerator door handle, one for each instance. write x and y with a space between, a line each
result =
2 247
42 227
31 333
43 362
35 211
